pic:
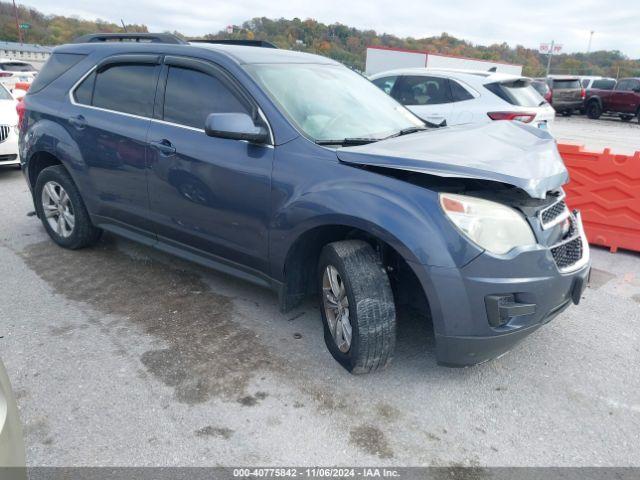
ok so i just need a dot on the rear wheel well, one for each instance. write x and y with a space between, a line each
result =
38 162
300 274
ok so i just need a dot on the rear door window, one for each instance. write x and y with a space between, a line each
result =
518 92
422 90
126 88
566 84
190 96
624 85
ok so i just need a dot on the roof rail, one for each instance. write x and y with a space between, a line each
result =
246 43
129 37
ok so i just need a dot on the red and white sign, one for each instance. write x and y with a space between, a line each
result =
229 28
545 48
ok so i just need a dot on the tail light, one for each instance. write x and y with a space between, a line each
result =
583 94
5 74
549 96
20 109
523 117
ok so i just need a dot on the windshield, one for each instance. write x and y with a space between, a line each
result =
330 102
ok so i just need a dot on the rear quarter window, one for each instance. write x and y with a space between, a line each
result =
57 64
604 84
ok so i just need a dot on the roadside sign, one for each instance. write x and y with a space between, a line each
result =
25 26
549 48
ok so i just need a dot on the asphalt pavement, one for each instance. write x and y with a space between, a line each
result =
120 355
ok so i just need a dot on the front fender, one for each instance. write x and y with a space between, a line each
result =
405 216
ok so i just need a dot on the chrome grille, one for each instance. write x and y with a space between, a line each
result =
4 132
555 213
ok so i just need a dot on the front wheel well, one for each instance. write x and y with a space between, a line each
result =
301 263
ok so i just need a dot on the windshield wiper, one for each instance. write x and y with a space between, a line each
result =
407 131
348 142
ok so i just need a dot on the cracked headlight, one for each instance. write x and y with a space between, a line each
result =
492 226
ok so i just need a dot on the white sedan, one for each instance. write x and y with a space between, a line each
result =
13 72
457 97
8 128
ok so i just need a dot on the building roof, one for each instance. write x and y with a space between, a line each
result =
24 47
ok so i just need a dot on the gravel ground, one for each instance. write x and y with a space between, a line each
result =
606 132
120 355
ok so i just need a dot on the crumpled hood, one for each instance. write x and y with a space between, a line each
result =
502 151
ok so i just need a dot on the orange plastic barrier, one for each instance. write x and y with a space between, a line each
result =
605 187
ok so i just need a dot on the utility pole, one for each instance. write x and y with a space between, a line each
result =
590 37
550 54
124 27
15 12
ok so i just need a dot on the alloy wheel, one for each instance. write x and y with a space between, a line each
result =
57 209
336 308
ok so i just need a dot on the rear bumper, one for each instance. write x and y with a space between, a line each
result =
560 106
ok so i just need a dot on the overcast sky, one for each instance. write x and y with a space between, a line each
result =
527 22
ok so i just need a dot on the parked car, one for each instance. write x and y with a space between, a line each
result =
543 89
567 93
623 100
602 83
11 441
15 71
8 129
306 178
458 97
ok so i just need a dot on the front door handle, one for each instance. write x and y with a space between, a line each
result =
164 146
78 122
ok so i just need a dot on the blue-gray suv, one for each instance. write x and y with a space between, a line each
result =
291 171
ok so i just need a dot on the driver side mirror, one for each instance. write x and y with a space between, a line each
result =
235 126
636 89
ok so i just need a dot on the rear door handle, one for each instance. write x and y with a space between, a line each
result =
78 121
164 146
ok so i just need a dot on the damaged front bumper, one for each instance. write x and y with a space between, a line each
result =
482 310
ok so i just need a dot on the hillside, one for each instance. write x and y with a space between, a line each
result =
51 29
348 45
343 43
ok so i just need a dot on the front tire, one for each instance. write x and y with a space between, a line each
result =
357 307
62 211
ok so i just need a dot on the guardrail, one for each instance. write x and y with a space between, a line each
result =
605 187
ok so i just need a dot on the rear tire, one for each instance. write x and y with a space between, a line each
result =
62 211
594 110
361 286
626 118
567 113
